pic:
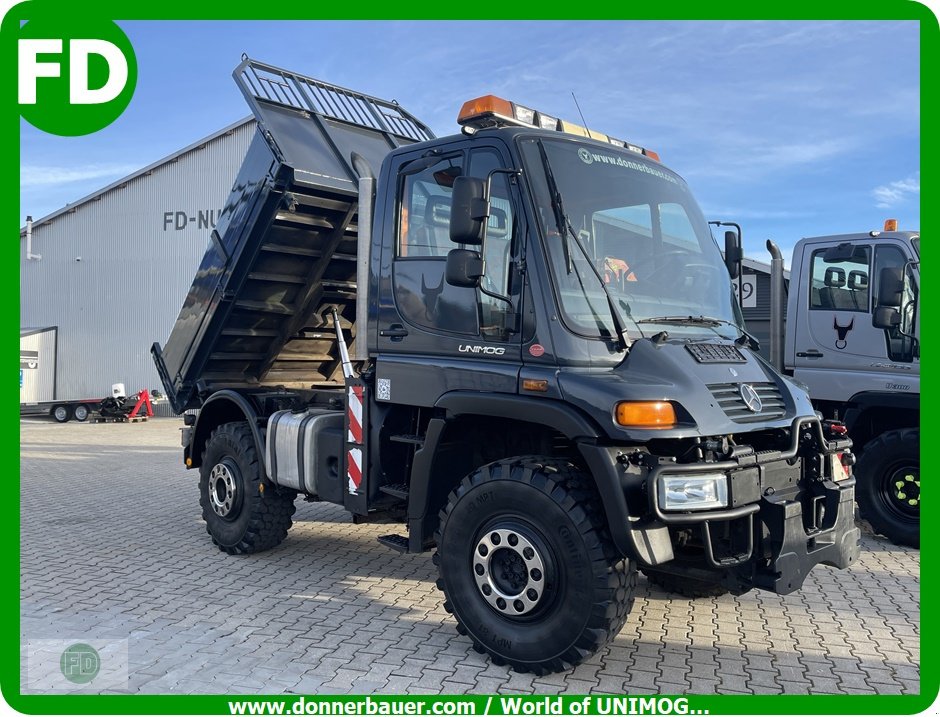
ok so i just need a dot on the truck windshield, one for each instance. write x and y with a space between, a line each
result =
644 234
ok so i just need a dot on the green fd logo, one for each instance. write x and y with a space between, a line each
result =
74 77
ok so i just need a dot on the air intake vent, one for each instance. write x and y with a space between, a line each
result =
715 353
732 401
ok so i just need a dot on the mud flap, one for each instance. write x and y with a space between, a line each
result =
799 542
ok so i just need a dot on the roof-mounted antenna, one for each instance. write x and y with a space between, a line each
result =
583 121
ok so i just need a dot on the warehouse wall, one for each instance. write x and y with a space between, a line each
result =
115 270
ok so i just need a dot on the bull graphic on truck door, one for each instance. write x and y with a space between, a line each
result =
842 331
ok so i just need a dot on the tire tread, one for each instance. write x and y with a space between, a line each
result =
271 513
572 489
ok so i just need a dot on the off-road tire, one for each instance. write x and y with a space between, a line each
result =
882 458
686 587
588 586
261 514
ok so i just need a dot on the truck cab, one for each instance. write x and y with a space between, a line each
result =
521 343
834 345
853 339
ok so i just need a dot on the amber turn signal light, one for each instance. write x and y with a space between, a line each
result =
645 414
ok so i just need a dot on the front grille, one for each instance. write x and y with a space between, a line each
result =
732 403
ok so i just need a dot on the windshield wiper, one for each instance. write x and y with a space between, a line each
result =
706 321
565 230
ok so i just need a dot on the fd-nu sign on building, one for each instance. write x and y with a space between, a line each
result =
110 271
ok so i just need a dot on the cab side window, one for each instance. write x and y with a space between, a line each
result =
424 219
841 285
900 347
422 295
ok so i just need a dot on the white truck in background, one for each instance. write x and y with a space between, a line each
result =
852 338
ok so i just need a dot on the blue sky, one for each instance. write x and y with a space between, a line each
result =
791 129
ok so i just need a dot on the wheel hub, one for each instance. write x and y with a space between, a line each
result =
904 489
222 489
509 571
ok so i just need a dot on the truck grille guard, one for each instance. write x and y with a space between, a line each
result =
742 457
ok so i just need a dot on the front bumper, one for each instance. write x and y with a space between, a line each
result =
785 514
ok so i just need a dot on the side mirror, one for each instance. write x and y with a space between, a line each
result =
734 254
886 317
890 287
464 268
470 210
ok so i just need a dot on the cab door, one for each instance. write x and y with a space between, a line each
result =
434 337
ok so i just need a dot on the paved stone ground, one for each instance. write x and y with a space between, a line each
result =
113 547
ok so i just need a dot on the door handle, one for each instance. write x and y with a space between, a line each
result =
396 332
812 353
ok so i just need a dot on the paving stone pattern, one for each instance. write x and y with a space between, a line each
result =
113 546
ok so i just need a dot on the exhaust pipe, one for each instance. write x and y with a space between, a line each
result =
29 241
776 305
366 194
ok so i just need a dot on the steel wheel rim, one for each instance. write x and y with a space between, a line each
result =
61 413
223 489
901 492
511 570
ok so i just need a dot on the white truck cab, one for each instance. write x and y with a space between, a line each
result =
853 339
832 343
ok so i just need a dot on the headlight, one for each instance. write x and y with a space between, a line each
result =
693 492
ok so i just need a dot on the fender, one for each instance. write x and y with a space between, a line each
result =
222 407
649 544
560 416
865 400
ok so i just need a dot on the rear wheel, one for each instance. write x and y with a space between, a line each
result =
528 567
61 413
243 513
688 587
81 412
888 485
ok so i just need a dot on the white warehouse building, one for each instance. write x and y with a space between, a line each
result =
110 271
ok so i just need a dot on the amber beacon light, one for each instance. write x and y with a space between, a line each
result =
493 111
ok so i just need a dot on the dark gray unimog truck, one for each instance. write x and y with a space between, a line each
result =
547 376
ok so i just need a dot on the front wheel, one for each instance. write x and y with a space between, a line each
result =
527 565
243 513
62 414
888 485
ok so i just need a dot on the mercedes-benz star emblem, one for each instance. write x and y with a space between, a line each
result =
750 398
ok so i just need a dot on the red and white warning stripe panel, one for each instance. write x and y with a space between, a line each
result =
354 436
354 469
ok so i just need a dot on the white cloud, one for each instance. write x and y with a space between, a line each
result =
890 195
45 176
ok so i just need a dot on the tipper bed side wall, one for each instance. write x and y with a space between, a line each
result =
284 252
